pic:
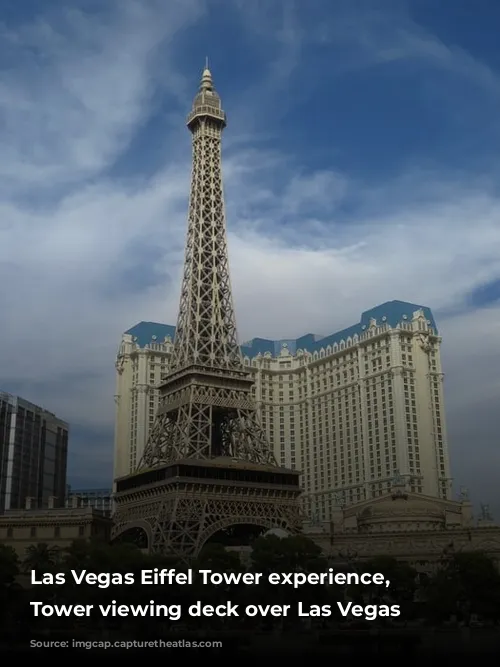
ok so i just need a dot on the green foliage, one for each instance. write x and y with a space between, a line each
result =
467 583
274 554
9 594
41 558
9 565
464 584
402 577
215 557
290 554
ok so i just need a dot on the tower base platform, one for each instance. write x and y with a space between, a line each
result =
174 509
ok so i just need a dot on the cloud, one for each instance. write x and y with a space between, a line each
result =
391 33
79 88
472 393
85 254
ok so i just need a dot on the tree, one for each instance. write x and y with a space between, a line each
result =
216 557
9 566
467 583
41 558
77 555
10 593
288 554
401 575
293 554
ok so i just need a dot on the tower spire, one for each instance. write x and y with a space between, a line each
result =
206 79
207 464
206 326
206 409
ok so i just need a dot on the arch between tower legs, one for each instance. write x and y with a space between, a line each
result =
136 532
180 525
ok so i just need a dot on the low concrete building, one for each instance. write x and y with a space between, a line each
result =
99 499
419 529
55 526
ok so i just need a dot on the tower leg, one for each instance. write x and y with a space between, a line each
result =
182 521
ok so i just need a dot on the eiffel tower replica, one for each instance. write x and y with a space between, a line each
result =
207 466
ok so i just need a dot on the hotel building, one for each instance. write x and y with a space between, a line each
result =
351 411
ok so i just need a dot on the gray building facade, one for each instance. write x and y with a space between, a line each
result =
33 455
98 499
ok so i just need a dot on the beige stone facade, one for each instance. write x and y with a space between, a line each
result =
412 527
58 527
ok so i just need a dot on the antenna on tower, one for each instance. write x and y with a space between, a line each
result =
206 62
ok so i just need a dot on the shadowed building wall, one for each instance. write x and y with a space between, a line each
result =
33 454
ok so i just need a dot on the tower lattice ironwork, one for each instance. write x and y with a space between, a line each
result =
207 463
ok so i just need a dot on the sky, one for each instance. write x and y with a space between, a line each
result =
360 164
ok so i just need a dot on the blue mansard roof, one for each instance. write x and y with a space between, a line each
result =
392 311
145 333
